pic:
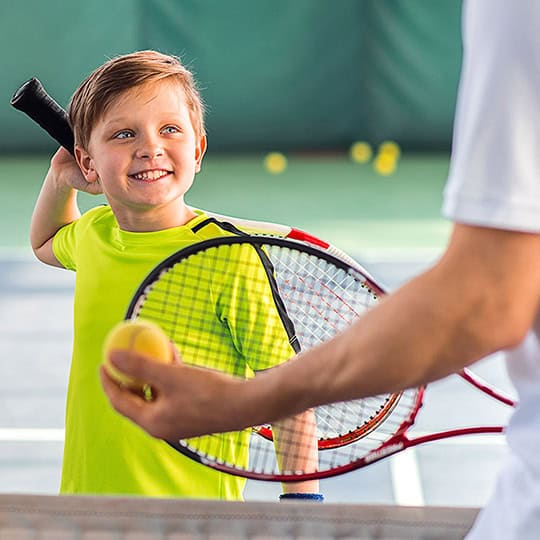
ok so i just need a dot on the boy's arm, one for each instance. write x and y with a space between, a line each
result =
296 445
56 205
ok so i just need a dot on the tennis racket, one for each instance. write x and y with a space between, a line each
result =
33 99
262 283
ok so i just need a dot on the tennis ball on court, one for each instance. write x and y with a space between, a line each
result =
140 336
275 162
385 164
360 152
390 148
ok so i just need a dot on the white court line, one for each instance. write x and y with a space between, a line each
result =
406 482
405 473
53 434
16 254
31 435
404 470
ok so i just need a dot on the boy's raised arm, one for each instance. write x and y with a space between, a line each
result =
56 205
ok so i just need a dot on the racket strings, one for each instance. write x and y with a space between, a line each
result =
227 307
321 298
262 451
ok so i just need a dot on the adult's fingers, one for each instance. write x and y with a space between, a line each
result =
176 357
140 367
122 399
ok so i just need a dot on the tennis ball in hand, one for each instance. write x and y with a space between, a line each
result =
139 336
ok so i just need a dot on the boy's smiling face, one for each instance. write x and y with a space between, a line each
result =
145 153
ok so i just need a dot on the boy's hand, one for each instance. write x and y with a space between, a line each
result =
66 172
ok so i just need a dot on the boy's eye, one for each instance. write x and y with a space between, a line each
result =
125 134
170 129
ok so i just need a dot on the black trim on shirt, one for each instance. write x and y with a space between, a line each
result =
269 269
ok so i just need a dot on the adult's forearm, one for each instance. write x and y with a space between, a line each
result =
481 297
394 346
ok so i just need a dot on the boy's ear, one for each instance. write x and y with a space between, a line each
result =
200 149
86 164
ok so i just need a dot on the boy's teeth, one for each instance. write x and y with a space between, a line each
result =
149 175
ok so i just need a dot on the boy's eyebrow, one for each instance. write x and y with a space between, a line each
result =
128 119
117 120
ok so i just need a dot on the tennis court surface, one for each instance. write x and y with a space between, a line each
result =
390 224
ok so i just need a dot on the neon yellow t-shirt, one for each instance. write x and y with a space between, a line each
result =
103 452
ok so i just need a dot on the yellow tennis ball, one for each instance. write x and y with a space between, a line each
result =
385 164
140 336
360 152
275 162
391 148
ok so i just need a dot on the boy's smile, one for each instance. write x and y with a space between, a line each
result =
145 153
149 176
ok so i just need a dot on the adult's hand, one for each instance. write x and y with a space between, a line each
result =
186 401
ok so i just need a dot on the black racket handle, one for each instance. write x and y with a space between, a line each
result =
32 99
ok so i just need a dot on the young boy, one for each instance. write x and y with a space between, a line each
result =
140 139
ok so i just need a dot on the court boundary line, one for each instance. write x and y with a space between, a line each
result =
406 479
57 434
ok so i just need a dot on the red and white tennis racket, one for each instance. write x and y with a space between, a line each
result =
318 291
233 281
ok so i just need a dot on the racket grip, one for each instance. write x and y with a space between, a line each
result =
32 99
310 497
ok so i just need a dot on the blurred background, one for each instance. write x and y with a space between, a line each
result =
335 117
302 75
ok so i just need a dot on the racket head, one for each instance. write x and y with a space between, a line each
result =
273 281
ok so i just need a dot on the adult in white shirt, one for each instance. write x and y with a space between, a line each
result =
482 296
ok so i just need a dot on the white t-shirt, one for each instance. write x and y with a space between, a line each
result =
494 181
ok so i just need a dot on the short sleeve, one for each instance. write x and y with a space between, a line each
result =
255 315
494 177
65 244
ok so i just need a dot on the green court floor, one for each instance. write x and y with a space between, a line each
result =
345 203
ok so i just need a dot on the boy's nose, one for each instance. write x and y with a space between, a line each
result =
149 148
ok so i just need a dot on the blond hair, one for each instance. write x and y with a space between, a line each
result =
103 86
